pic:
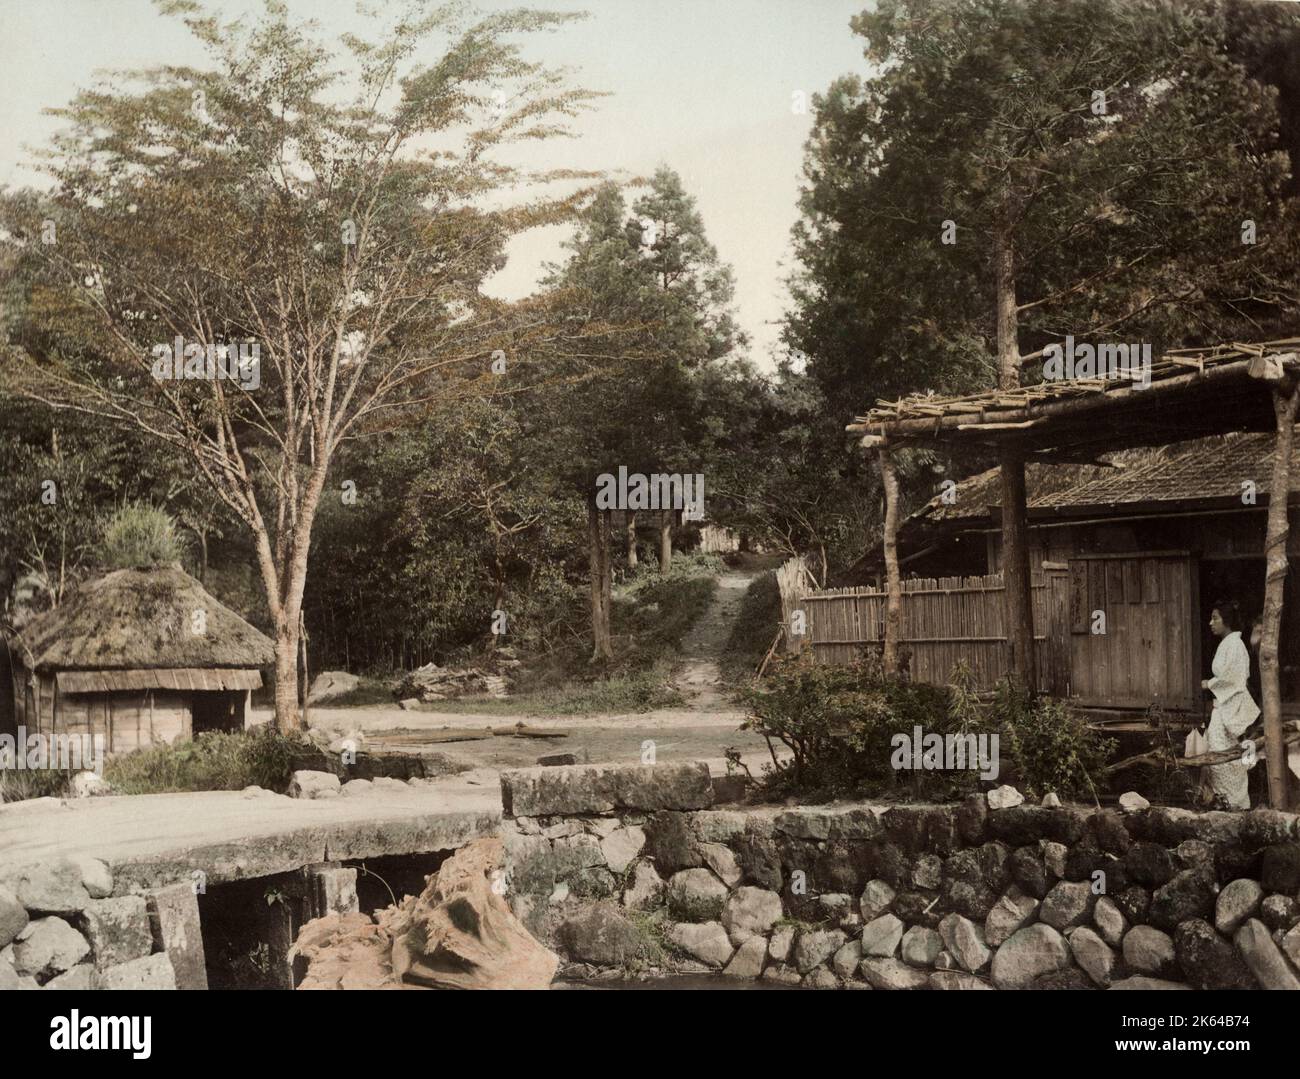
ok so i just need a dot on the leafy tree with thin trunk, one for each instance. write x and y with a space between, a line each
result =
340 217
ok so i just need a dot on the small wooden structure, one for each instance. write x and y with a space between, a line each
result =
1191 394
139 656
1153 540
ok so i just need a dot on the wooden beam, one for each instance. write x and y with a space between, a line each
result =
894 600
1286 397
1018 606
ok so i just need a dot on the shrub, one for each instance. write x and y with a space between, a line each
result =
212 761
1051 749
839 723
139 535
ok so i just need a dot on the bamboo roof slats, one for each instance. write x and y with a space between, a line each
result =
993 405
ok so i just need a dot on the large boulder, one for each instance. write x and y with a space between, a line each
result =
1280 871
46 947
1190 894
56 886
586 788
621 846
1029 953
696 895
1148 950
876 898
748 960
149 972
920 946
1238 901
881 936
462 935
1011 912
1093 954
751 911
646 888
814 946
893 974
965 942
706 942
1069 903
310 784
457 934
1264 957
328 685
1208 960
117 929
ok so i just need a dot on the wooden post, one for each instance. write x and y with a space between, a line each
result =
1018 612
894 601
1285 400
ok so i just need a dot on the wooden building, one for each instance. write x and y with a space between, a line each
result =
1151 539
1185 395
141 656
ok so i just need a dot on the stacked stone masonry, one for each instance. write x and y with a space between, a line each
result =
631 871
61 927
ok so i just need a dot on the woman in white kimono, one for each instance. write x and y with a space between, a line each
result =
1234 709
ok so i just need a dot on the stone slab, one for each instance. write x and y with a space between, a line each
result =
586 788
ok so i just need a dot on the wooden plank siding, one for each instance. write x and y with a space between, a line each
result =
1149 650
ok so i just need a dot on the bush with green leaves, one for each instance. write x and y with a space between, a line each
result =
1050 748
140 535
839 723
212 761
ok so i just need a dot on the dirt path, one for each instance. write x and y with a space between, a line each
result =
704 728
699 677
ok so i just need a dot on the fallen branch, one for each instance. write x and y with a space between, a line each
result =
1219 756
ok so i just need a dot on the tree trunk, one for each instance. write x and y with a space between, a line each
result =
607 573
894 603
1004 275
665 541
287 717
305 677
601 649
631 539
1018 610
1285 401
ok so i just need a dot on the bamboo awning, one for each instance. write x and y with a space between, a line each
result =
1193 393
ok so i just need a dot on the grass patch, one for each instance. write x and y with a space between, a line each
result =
18 785
751 635
214 761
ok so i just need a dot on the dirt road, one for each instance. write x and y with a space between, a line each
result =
704 729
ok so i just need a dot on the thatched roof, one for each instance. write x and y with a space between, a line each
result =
141 619
1203 472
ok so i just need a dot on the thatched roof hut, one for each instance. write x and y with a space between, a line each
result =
138 655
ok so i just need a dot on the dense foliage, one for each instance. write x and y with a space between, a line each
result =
842 725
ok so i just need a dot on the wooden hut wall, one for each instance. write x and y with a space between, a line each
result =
128 720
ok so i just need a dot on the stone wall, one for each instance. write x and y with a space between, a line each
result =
633 871
61 927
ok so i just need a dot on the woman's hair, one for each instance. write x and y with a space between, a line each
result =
1230 612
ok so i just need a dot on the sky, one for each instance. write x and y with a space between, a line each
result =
708 87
